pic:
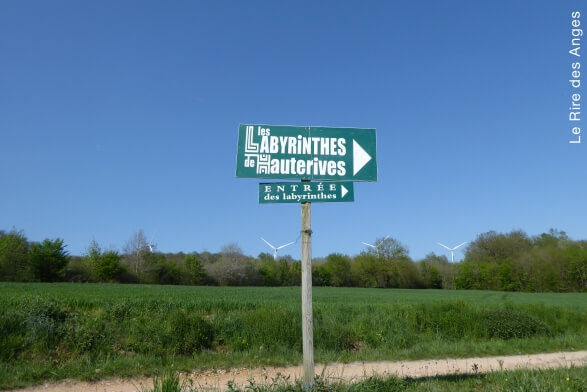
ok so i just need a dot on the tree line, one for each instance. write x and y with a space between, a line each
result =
514 261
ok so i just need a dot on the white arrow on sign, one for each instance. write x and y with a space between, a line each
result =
343 191
360 157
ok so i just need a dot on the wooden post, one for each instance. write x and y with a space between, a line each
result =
307 320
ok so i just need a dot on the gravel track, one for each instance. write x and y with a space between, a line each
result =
348 372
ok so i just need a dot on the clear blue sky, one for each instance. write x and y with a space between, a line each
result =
123 115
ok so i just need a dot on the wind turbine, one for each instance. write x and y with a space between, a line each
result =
376 247
150 244
452 250
274 248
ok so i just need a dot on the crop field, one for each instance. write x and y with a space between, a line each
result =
90 331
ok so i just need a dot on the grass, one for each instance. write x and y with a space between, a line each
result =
49 332
571 379
93 294
169 382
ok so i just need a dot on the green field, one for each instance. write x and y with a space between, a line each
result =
89 331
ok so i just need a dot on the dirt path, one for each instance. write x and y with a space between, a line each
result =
337 371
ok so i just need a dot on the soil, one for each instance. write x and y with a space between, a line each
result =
348 372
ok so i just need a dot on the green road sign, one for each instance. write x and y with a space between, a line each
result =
300 192
308 153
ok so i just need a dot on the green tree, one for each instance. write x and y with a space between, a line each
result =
108 267
195 271
104 266
156 269
338 267
404 274
320 276
368 271
87 268
549 268
498 247
93 252
430 276
577 257
294 274
167 272
488 276
446 271
388 249
552 239
271 272
395 269
506 276
467 276
14 256
48 260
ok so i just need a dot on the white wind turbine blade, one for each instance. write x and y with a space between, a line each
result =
268 243
458 246
151 245
372 246
444 246
380 243
283 246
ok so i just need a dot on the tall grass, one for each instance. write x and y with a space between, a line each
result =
169 382
53 331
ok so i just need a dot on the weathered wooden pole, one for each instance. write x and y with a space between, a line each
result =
307 320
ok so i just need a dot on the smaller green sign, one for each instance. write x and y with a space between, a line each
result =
301 192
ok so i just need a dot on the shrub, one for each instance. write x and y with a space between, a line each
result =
88 333
271 326
11 333
189 333
45 323
449 320
511 324
333 331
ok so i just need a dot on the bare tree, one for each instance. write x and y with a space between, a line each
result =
231 250
135 249
234 268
